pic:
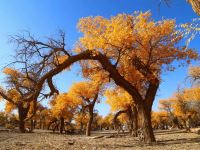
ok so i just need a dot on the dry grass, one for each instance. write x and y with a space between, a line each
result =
166 140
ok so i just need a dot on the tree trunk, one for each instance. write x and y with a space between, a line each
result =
22 112
144 120
40 123
134 122
62 124
35 124
81 127
91 109
32 124
43 123
144 108
131 120
22 126
89 124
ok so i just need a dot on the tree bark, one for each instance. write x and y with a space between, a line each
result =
134 121
81 128
22 116
116 123
91 114
144 120
32 124
22 126
44 123
40 123
89 124
119 80
62 124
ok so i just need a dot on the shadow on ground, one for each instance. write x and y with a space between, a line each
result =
179 141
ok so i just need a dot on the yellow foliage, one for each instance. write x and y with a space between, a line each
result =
192 94
60 59
9 107
179 107
166 104
14 95
118 99
133 36
81 118
194 72
123 118
183 103
158 118
11 72
84 90
64 106
107 120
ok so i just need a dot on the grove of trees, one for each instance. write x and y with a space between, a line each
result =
122 59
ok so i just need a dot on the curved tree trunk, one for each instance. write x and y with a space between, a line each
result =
119 80
116 123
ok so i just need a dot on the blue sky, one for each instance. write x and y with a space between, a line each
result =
46 17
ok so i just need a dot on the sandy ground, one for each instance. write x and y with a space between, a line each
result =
40 140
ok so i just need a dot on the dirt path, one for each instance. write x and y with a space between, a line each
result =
166 140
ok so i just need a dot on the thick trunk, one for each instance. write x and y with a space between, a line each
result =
22 116
135 122
144 120
62 124
144 108
89 124
22 126
131 120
